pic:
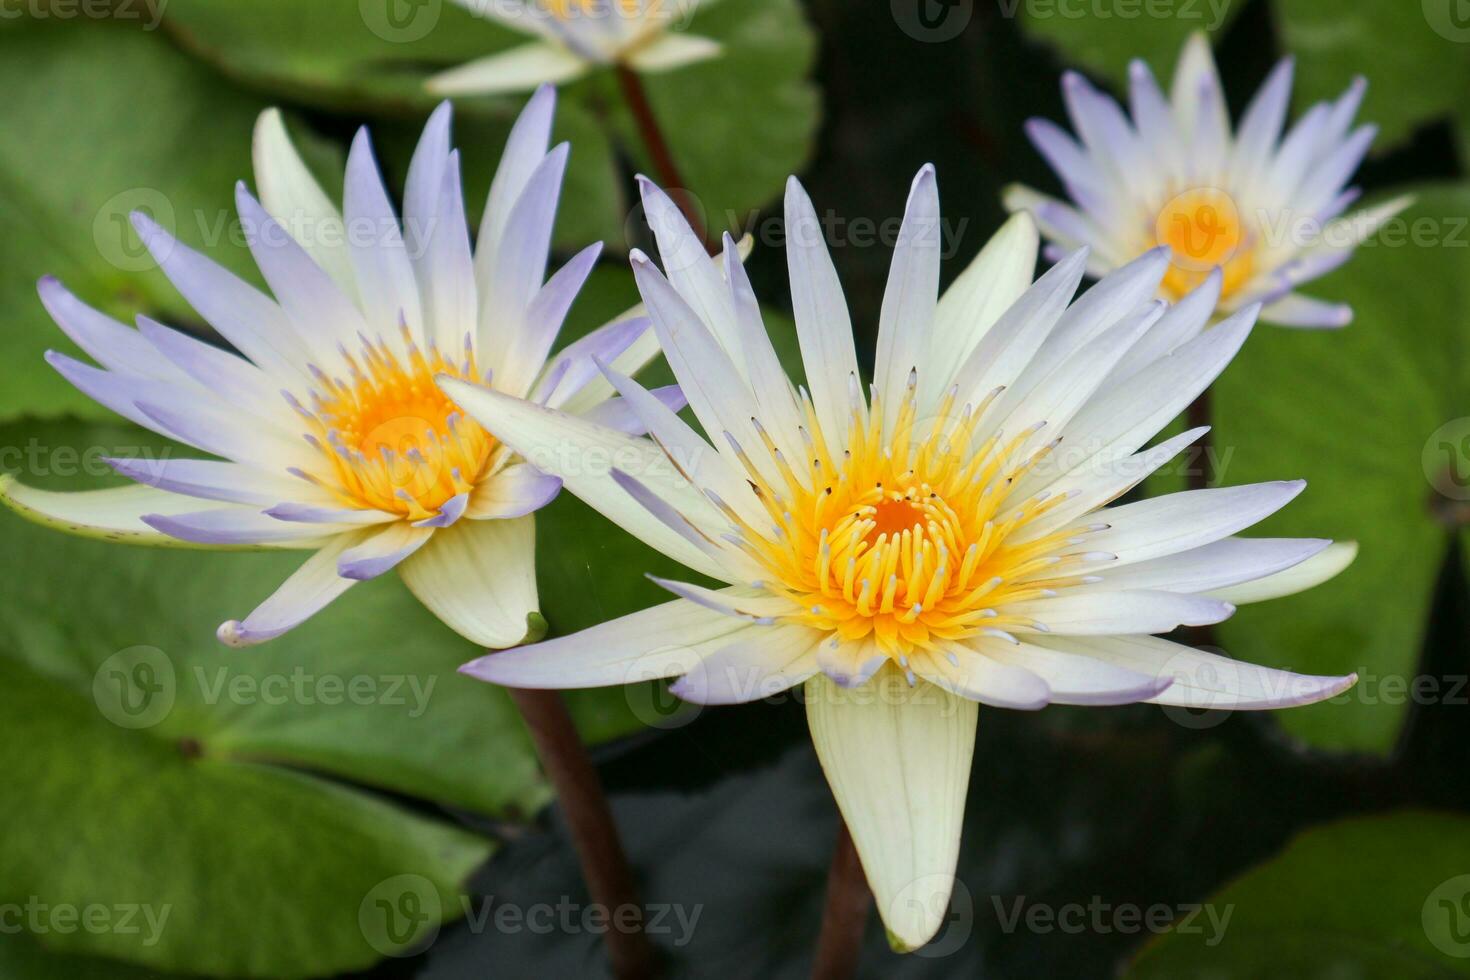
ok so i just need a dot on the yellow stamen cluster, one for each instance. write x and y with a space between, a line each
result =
911 539
565 10
1204 229
392 440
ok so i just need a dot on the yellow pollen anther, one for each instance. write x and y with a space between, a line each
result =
913 537
391 440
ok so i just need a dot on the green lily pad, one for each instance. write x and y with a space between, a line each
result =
231 777
1383 896
114 120
347 55
1396 48
737 125
1104 38
1351 411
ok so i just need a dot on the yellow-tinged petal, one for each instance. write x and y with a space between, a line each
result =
115 514
1324 565
519 69
898 761
479 577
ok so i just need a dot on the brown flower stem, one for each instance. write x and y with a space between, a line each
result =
1201 476
846 912
589 819
667 171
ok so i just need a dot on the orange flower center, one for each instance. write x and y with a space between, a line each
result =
1204 229
392 440
913 539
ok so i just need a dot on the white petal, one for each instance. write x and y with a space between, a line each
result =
525 148
1181 521
718 394
1322 566
1123 417
211 479
659 642
383 551
1213 567
527 350
584 455
520 260
446 271
673 49
517 490
850 664
321 313
294 198
823 326
898 761
242 314
984 679
111 515
1201 679
996 278
517 70
689 270
111 344
385 277
755 663
1005 350
1124 611
479 578
1074 679
309 589
241 527
707 469
906 319
1296 310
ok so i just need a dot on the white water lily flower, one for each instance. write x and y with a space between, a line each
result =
1267 210
330 432
575 37
940 544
